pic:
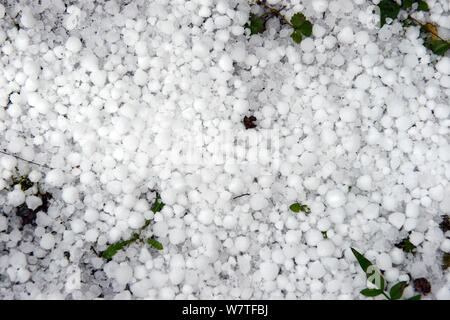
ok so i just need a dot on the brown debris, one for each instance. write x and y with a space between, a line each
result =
248 122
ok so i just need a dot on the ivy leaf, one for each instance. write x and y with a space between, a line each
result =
297 37
418 297
155 244
438 47
363 262
396 291
256 24
295 207
306 28
423 6
298 19
407 4
157 205
371 292
388 9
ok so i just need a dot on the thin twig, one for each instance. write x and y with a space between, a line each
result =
277 12
242 195
425 27
38 164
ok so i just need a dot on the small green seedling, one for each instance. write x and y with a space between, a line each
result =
375 277
406 246
115 247
297 207
391 9
300 24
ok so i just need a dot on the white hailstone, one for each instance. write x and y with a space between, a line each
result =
177 236
18 259
293 236
320 5
397 255
307 45
78 225
91 215
89 62
98 77
206 216
47 241
391 275
2 11
91 235
55 178
364 183
258 202
16 198
443 293
33 202
395 106
229 222
273 2
397 219
323 224
313 237
114 187
443 66
362 82
3 223
348 114
384 261
8 162
22 275
302 80
316 270
140 77
325 248
346 35
335 198
269 270
241 243
136 220
73 44
226 63
70 195
22 41
416 238
445 245
169 196
123 274
371 211
412 210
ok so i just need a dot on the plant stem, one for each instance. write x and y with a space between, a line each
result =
424 26
387 297
38 164
277 12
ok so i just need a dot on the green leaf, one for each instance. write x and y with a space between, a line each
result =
297 37
371 292
396 291
388 9
155 244
256 24
306 28
418 297
112 249
157 205
363 262
407 4
406 246
298 19
438 47
295 207
423 6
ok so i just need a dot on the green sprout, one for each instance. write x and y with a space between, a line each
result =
376 278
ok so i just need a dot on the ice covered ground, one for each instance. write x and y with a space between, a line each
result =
120 98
